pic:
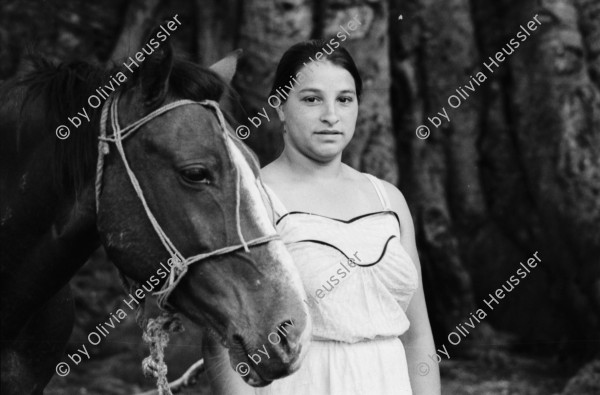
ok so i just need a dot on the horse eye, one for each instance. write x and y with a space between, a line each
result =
196 175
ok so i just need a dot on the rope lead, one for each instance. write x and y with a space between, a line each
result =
156 335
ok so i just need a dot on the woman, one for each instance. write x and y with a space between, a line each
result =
352 238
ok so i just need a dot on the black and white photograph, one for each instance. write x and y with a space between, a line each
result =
300 197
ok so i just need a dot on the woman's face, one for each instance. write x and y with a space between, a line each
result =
320 113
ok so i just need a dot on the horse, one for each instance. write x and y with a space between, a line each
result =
181 186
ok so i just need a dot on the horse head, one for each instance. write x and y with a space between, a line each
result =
201 186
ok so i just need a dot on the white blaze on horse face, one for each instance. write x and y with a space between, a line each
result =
283 266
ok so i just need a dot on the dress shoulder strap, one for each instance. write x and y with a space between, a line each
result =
383 198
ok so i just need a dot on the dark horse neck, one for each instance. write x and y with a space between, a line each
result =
48 221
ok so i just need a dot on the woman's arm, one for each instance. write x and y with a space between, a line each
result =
223 379
418 341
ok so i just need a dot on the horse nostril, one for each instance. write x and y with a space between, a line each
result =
238 339
237 342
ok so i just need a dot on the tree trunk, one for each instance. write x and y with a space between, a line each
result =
516 169
267 30
215 35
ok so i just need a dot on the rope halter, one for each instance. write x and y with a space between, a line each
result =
156 329
181 263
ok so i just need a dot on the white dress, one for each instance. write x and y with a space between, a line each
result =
359 281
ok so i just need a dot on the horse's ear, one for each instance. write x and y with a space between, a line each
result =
155 72
226 66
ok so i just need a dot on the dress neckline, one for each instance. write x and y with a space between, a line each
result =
374 181
345 221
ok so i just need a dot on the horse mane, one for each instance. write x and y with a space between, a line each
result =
55 92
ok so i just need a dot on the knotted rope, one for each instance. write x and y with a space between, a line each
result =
156 335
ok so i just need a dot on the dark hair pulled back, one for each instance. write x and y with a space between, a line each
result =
299 55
